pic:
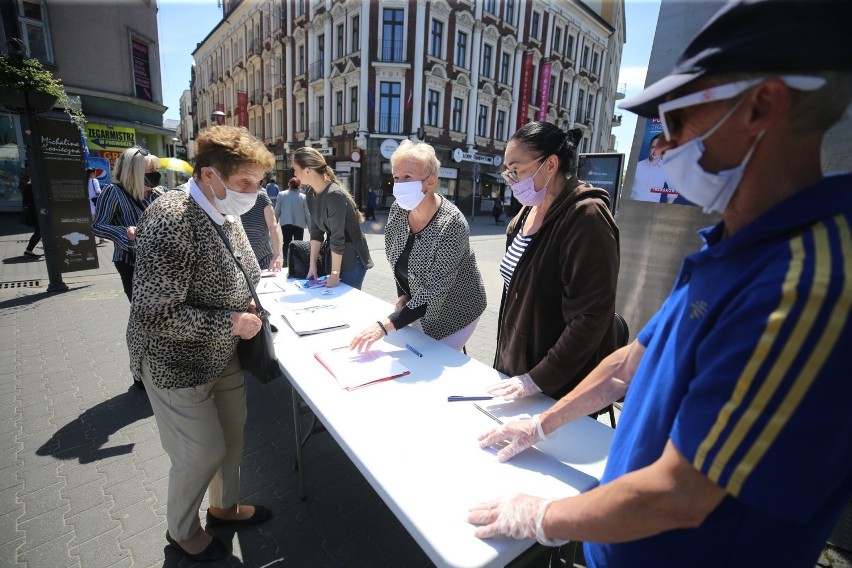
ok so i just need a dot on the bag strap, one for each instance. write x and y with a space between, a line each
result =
239 264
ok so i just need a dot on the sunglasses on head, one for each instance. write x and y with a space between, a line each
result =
142 151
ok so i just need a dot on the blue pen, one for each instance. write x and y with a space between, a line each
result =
413 350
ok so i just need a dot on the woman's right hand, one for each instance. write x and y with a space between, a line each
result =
312 272
245 325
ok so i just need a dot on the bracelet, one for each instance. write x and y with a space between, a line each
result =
381 325
335 273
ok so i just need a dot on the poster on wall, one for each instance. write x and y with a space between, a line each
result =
603 171
101 166
141 70
64 176
651 183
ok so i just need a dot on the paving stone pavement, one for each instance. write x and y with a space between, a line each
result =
83 477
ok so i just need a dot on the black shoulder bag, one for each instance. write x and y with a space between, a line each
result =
299 259
257 355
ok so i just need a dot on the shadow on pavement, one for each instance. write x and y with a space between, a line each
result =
22 259
83 437
33 298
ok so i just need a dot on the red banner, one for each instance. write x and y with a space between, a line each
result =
242 109
526 88
543 90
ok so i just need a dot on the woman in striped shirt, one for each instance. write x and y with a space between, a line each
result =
121 204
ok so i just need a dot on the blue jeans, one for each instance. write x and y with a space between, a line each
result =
355 276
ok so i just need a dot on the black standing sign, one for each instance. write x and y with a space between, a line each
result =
64 176
603 171
142 70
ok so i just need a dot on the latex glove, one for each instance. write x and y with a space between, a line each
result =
514 388
518 517
521 434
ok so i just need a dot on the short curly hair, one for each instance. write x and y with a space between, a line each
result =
419 152
228 148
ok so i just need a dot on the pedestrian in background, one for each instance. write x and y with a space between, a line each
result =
291 210
371 204
94 187
191 306
262 231
30 217
335 215
272 190
120 205
725 454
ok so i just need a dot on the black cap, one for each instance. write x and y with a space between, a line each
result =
90 170
760 36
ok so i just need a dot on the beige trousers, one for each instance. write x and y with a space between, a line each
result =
201 429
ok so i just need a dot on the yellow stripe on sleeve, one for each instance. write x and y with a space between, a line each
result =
811 368
761 351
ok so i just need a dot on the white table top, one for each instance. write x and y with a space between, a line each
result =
418 451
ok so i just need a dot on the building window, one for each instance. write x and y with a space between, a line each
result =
551 95
565 90
590 111
300 64
482 121
321 115
279 123
389 107
536 17
300 118
353 104
35 33
500 134
340 41
486 61
510 12
581 96
557 40
461 49
300 8
321 47
338 107
595 63
432 103
436 39
586 57
490 7
569 47
458 114
356 38
505 60
393 34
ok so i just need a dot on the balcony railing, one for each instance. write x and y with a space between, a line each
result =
316 71
389 123
616 120
392 51
620 91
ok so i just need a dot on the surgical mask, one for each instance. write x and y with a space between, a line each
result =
524 191
235 202
408 194
711 191
152 179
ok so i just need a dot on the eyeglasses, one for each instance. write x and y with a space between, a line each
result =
511 176
671 123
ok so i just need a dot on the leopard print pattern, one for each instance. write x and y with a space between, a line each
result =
185 286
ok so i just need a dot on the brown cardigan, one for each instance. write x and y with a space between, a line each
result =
557 316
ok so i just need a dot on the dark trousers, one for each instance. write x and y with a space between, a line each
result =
34 239
126 272
290 233
371 213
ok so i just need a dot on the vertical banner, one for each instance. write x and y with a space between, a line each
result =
242 109
543 90
64 176
526 89
141 70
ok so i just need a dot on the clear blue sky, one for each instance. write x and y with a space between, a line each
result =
184 23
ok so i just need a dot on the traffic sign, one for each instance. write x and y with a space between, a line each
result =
460 155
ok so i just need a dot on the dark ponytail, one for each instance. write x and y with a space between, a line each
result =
546 139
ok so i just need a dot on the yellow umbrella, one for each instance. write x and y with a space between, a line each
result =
175 165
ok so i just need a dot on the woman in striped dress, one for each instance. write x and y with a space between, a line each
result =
121 204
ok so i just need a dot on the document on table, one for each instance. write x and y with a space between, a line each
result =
316 318
354 369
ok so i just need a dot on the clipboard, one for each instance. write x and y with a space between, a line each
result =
313 319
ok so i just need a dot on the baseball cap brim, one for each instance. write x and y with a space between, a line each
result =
647 102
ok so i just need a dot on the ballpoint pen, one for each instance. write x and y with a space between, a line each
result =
488 414
458 397
413 350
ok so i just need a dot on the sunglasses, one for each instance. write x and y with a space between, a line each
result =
142 151
511 176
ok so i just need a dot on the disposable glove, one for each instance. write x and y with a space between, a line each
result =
518 517
514 388
521 434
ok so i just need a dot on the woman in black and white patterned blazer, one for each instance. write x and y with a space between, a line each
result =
427 242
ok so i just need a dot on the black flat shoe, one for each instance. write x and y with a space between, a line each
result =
261 515
215 551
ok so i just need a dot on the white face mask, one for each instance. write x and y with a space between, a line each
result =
235 202
409 194
711 191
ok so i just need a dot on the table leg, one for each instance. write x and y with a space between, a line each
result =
297 427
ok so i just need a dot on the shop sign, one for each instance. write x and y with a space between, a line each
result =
109 137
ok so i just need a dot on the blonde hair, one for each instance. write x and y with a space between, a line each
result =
420 152
152 162
130 171
228 148
307 157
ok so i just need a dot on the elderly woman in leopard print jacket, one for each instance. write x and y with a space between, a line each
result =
191 306
427 243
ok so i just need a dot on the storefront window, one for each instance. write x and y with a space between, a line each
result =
10 164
